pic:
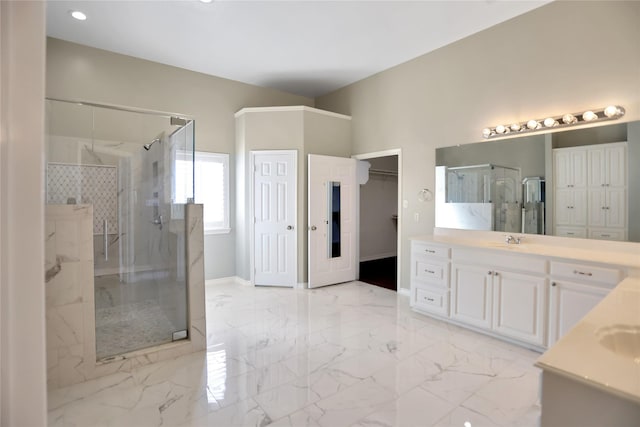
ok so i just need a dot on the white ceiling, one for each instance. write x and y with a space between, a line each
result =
305 47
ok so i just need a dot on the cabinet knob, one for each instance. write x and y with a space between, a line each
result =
495 273
490 273
553 283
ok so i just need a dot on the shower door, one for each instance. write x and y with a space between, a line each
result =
124 164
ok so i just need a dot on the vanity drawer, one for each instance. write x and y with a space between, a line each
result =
586 273
571 232
428 270
606 234
432 300
423 248
494 260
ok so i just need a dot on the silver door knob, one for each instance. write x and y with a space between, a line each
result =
289 227
314 228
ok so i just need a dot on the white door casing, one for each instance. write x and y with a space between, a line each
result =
323 269
275 213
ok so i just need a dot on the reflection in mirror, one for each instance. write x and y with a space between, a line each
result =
333 229
533 194
574 183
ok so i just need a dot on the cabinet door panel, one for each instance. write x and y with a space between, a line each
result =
616 165
518 306
569 302
563 207
471 295
597 207
597 167
616 207
579 211
579 168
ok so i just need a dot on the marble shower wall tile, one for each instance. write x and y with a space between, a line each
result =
70 299
195 276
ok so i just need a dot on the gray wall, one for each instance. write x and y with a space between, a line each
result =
512 72
84 73
308 132
526 153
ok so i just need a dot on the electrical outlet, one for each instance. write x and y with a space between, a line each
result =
416 217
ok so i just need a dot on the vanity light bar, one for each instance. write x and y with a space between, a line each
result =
611 112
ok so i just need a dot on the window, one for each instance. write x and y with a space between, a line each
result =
211 180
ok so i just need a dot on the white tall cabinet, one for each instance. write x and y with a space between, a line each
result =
591 191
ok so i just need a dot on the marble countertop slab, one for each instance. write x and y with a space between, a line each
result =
581 356
623 254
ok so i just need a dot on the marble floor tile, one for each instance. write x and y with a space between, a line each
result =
417 407
344 355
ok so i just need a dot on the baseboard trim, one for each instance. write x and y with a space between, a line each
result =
404 292
230 279
378 256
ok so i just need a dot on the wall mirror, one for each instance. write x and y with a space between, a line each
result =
333 235
574 183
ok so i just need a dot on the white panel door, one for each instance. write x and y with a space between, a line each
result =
597 207
597 167
332 220
274 196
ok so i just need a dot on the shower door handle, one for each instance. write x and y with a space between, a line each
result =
105 238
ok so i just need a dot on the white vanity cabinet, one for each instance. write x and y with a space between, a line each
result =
575 290
502 293
430 278
531 295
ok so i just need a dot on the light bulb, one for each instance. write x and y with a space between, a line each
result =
533 124
501 129
515 127
486 132
611 111
588 116
549 122
569 119
78 15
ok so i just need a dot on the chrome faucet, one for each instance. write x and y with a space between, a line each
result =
515 240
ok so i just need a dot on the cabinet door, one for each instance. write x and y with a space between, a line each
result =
562 169
597 207
562 207
569 302
518 306
570 168
616 207
616 165
579 207
471 295
571 207
597 167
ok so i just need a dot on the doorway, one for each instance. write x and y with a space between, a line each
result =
379 222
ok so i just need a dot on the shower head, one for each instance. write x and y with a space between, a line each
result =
148 146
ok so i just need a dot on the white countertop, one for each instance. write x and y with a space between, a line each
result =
580 356
573 249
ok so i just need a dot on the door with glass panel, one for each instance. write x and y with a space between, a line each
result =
332 220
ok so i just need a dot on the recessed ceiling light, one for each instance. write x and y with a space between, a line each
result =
78 15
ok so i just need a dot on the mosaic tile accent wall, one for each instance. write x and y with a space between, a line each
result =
86 184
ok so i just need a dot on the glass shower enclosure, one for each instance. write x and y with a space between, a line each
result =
135 168
479 197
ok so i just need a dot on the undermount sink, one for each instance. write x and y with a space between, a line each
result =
623 340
